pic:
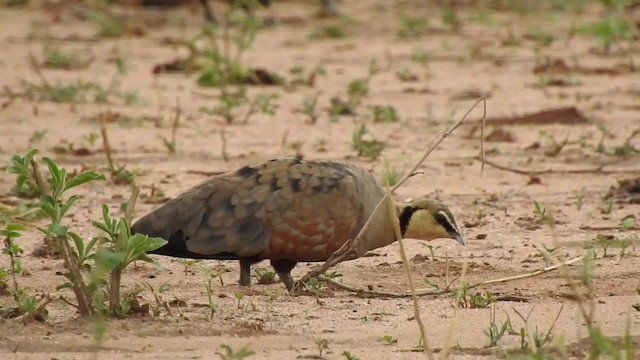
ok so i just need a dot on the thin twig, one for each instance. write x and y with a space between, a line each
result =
105 143
428 292
597 170
176 123
405 261
607 228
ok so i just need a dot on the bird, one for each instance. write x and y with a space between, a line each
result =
287 210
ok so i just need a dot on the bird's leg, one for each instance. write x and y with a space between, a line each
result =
283 267
245 270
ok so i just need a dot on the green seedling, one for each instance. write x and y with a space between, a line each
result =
349 356
391 175
450 17
610 30
37 136
389 340
26 305
473 301
384 113
210 275
119 248
338 29
21 166
366 148
495 332
265 276
627 223
411 27
107 24
188 264
432 250
230 353
309 108
322 344
56 58
543 214
239 296
540 340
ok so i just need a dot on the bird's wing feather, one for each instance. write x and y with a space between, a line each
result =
287 208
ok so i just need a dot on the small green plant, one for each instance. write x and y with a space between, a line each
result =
230 103
210 275
366 148
349 356
309 108
432 250
337 29
119 173
540 340
544 216
107 24
119 248
450 17
473 301
188 264
314 284
265 276
26 305
21 166
239 296
495 332
322 344
391 175
389 340
411 27
56 58
384 113
628 222
611 29
230 353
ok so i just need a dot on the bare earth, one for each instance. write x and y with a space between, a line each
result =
503 242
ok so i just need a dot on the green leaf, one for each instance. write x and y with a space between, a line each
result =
72 200
15 227
57 230
143 243
83 178
107 260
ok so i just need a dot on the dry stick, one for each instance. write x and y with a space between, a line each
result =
427 292
405 261
606 228
600 169
105 144
445 349
349 249
176 123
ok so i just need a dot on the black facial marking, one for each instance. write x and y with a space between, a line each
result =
295 185
247 171
442 220
405 217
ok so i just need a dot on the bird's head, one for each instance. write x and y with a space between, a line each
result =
428 219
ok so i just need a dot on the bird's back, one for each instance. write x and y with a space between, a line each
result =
293 208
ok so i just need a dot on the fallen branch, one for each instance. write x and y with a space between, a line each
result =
349 250
597 170
607 228
427 292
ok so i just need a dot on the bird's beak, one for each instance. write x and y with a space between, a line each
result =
459 238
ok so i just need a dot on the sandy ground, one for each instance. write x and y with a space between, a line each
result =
495 208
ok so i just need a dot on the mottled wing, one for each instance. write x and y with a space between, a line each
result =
288 209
